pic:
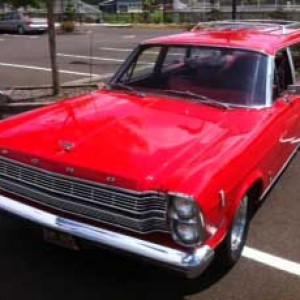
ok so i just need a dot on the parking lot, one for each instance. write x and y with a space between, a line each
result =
31 269
95 50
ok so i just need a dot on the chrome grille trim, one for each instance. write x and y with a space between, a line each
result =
142 212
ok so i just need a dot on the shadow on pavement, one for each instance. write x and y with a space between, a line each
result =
32 269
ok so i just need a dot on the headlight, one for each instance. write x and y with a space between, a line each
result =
187 233
186 220
184 207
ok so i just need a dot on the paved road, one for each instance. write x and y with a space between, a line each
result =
23 59
31 269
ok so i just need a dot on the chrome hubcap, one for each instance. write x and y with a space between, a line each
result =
239 226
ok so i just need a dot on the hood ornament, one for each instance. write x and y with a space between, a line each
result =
67 146
35 161
111 179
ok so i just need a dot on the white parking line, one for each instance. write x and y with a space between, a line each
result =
129 36
129 50
97 78
115 49
3 64
90 57
272 261
100 58
21 36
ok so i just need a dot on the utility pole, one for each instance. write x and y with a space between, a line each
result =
52 46
233 15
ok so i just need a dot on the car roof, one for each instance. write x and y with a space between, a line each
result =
266 37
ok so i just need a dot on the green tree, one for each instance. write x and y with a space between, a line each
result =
52 47
93 2
24 3
51 34
149 5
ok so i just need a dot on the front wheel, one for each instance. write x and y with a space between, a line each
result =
233 245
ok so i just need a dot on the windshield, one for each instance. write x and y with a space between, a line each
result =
231 76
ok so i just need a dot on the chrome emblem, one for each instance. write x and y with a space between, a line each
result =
67 146
70 170
110 179
34 161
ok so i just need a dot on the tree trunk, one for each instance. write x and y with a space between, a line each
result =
52 47
233 12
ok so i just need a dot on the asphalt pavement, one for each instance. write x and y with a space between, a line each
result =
32 269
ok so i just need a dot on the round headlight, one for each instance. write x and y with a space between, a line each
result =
187 233
184 207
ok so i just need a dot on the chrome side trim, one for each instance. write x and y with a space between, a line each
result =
268 188
291 63
222 198
191 263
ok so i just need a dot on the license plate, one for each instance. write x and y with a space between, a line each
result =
60 239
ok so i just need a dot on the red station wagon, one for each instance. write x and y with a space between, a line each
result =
169 160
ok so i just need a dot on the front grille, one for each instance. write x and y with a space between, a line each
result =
142 212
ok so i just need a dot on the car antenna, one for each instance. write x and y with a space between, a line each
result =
91 54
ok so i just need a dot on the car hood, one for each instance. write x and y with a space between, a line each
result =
124 139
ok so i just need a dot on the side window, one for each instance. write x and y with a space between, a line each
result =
282 73
7 17
15 16
144 65
295 50
175 57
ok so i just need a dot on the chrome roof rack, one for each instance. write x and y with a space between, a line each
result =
266 26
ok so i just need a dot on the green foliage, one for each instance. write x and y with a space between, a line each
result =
279 14
214 15
70 13
92 2
24 3
67 26
157 16
150 5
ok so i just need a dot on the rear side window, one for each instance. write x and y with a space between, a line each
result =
282 73
295 50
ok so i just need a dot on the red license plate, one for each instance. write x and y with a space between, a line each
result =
60 239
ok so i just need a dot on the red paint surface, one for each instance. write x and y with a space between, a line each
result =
165 144
248 39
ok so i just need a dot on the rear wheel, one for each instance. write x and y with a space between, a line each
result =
233 245
20 30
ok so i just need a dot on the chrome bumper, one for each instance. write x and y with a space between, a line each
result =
190 263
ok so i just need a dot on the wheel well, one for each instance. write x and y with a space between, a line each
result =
254 193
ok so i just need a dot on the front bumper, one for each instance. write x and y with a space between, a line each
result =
191 263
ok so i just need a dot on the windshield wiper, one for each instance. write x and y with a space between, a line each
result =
202 98
126 87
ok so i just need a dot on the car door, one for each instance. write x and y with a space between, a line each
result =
294 94
14 22
286 105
